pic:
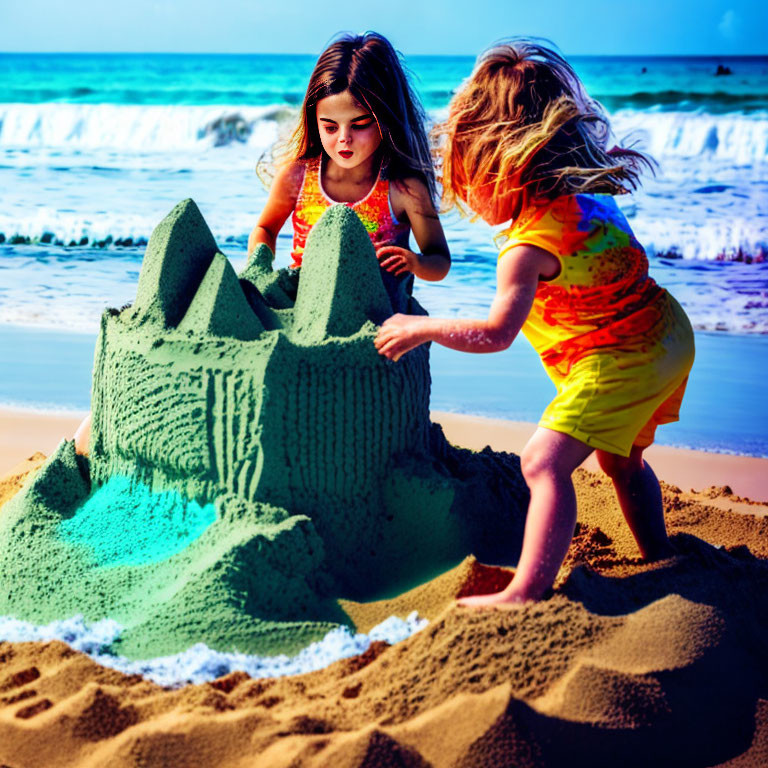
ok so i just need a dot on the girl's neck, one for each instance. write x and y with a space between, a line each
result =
361 175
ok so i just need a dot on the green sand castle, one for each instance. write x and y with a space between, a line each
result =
253 459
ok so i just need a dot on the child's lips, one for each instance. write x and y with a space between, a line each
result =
346 153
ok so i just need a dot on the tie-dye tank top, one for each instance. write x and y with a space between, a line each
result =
603 298
374 211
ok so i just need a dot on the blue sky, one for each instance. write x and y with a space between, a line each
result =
684 27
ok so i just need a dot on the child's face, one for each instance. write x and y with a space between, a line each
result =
348 131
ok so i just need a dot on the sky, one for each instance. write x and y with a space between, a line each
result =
599 27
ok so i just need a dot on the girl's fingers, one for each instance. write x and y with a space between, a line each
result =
391 261
390 348
391 339
383 337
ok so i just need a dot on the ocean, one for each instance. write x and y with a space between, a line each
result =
96 148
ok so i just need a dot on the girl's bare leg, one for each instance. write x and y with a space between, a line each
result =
547 461
639 496
83 435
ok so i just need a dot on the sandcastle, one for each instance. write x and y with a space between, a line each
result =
253 459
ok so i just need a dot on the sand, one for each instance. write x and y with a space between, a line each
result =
625 664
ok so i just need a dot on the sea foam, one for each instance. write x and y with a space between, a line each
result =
200 664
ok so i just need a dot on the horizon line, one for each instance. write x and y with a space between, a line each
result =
435 55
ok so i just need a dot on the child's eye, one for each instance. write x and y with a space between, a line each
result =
330 129
360 126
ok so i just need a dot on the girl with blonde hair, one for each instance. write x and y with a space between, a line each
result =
525 146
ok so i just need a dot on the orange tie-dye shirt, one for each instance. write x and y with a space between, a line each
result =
603 298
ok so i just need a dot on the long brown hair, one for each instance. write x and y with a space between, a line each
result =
370 69
523 122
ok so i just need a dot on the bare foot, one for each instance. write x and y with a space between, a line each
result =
662 552
495 600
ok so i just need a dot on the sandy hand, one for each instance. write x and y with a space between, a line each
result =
400 334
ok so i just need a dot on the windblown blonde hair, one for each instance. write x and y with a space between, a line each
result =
523 122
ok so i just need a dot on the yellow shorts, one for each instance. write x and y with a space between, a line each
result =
614 399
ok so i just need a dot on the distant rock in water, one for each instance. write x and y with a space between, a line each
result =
722 70
253 458
227 129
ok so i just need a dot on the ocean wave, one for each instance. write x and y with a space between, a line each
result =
133 128
713 102
436 97
732 239
696 247
46 226
734 137
736 245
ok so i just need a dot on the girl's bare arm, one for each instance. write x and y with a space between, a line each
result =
411 200
280 204
518 274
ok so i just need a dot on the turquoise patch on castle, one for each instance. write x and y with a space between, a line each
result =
125 523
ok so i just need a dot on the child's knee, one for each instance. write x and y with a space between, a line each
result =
535 464
619 467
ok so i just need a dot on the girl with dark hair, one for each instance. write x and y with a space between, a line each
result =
526 146
361 141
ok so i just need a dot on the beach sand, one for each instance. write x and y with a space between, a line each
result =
627 663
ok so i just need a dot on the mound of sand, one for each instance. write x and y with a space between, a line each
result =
626 664
252 460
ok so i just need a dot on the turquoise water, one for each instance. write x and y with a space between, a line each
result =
264 79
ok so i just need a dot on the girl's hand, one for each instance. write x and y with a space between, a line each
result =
400 334
397 260
412 203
